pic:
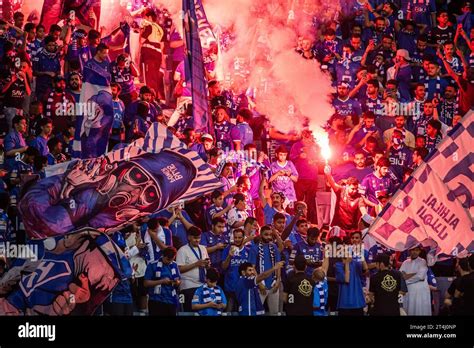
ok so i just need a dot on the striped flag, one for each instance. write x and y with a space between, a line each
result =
194 17
435 206
95 120
118 188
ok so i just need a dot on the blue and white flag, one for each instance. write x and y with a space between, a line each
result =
70 275
435 206
194 15
96 113
118 188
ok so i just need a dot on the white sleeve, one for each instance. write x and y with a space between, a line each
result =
181 257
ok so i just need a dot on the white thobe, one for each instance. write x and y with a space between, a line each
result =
418 299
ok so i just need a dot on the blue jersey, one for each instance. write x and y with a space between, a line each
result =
41 144
399 159
312 253
123 77
222 133
12 141
431 278
248 297
351 295
205 294
347 107
119 109
320 298
232 273
432 143
209 239
421 11
243 133
372 104
346 71
435 87
122 293
372 185
161 293
177 227
47 62
269 212
295 238
361 133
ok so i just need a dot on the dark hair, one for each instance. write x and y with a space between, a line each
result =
374 82
221 107
313 232
17 119
18 14
32 151
369 114
300 262
48 39
422 152
383 258
238 230
153 223
115 84
250 146
212 275
241 179
265 228
40 26
352 181
29 26
143 108
52 143
149 12
371 140
440 12
250 220
101 47
392 82
216 194
145 89
301 221
194 231
245 113
238 197
244 266
356 232
360 152
164 222
281 149
169 252
218 220
383 162
279 216
44 121
54 28
435 124
93 34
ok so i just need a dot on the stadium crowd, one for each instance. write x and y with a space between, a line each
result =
403 76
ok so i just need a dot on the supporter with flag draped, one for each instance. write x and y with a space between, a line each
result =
97 116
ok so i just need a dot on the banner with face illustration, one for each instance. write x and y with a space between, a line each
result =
122 186
68 275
